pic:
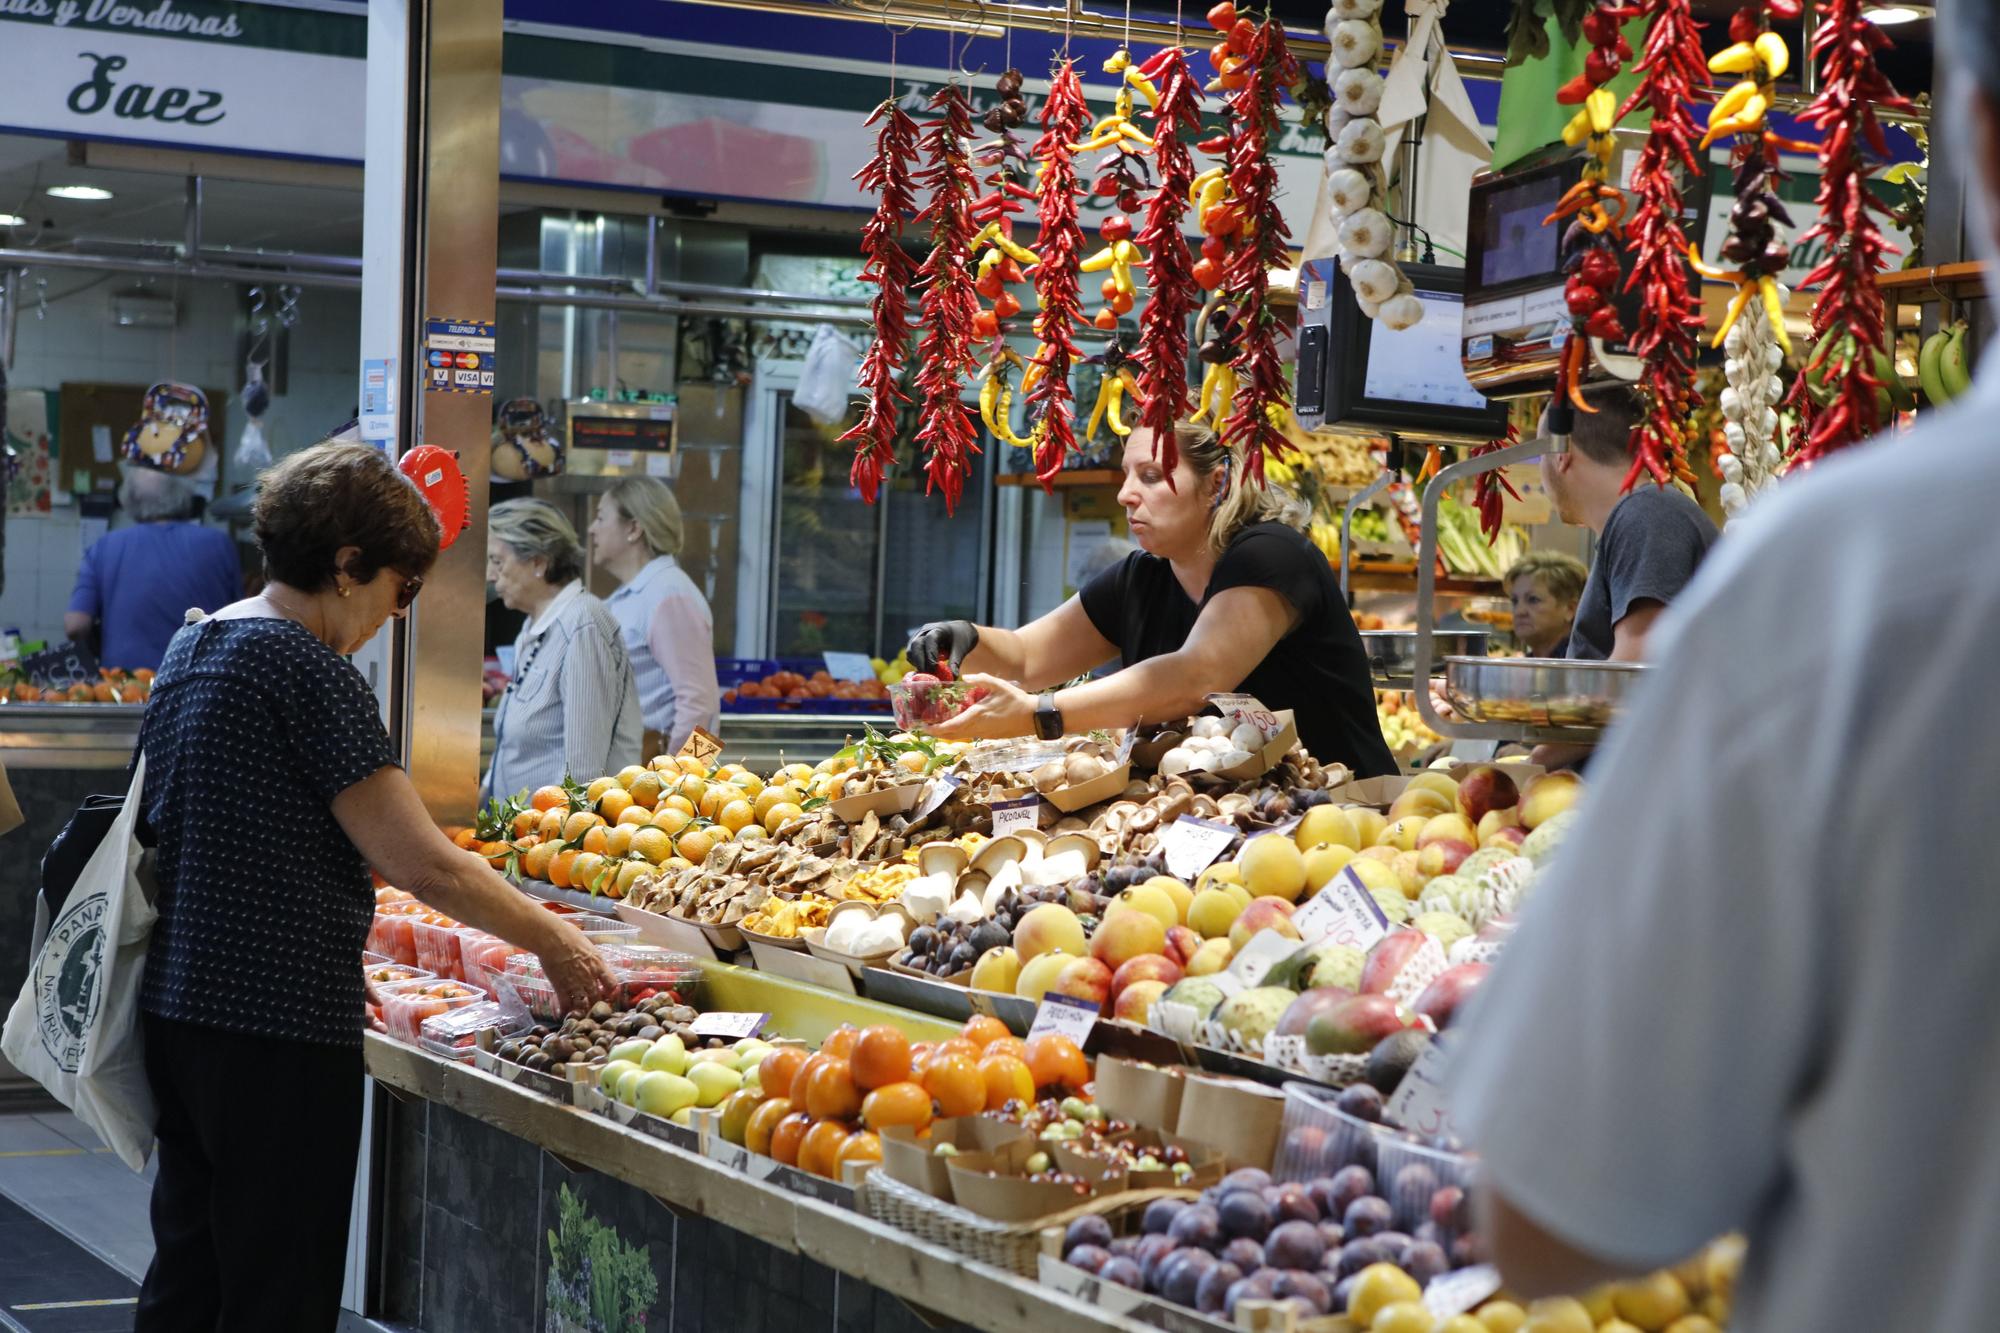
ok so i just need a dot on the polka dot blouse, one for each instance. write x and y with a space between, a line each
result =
253 728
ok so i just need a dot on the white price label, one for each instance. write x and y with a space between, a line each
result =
849 666
1172 1018
1246 708
723 1023
1064 1014
1418 1103
1264 951
1456 1293
1021 812
1190 846
936 792
1343 912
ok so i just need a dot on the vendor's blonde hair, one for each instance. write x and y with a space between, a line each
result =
1242 501
648 502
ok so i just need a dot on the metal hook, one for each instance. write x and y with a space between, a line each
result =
978 26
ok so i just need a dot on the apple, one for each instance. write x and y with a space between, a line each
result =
1442 999
1262 914
997 969
661 1093
1146 967
1127 933
1548 796
1387 959
1038 974
1135 1002
1353 1026
1084 979
1484 790
1420 803
1453 827
1381 853
1211 957
1182 942
1443 857
1047 929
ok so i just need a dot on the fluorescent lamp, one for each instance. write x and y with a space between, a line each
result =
91 193
12 220
1888 16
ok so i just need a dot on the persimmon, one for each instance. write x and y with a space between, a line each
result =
955 1083
1005 1079
982 1030
1009 1045
789 1135
862 1147
830 1092
897 1104
881 1057
820 1151
802 1079
776 1071
1055 1059
841 1041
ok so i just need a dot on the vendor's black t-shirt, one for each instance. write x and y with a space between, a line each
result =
1319 670
1650 548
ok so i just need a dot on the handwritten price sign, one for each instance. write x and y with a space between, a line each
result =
1343 912
1419 1101
1246 708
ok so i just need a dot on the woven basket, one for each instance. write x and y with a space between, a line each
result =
1013 1246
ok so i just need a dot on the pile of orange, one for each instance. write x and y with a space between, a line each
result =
799 688
113 686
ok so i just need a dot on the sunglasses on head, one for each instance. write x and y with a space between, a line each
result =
408 592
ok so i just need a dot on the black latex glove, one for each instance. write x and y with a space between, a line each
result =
947 639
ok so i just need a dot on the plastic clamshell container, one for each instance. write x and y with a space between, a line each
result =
388 971
392 934
406 1004
437 948
604 929
925 703
1317 1138
643 967
484 956
455 1034
1408 1173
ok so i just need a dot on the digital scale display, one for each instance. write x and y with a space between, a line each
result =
1422 364
1514 244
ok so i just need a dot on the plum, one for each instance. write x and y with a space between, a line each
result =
1343 1291
1298 1282
1214 1285
1332 1233
1198 1226
1361 1101
1366 1216
1245 1177
1088 1230
1290 1202
1152 1252
1429 1231
1124 1272
1348 1184
1306 1145
1160 1214
1122 1247
1395 1242
1244 1213
1356 1255
1451 1209
1180 1276
1245 1253
1090 1258
1295 1244
1256 1287
1468 1250
1424 1261
1302 1308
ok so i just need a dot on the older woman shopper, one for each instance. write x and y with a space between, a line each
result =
134 585
572 706
272 789
665 621
1545 587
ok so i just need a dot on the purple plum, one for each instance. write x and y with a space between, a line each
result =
1297 1282
1367 1216
1256 1287
1160 1214
1343 1291
1291 1202
1152 1252
1362 1102
1123 1247
1334 1234
1356 1255
1468 1250
1090 1258
1124 1272
1215 1285
1348 1184
1198 1226
1245 1178
1245 1253
1088 1230
1424 1261
1180 1276
1295 1245
1244 1213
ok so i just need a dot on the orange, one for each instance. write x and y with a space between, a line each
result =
982 1030
1054 1058
680 803
645 789
535 861
614 803
596 838
465 838
735 815
781 814
956 1084
788 1135
896 1104
714 798
617 841
549 798
841 1041
587 872
776 794
763 1120
577 824
671 819
559 868
635 816
691 788
777 1070
653 844
1008 1045
1006 1079
881 1056
821 1150
628 876
830 1092
695 845
862 1147
524 823
551 823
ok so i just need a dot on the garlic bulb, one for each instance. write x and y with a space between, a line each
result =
1360 142
1403 312
1353 9
1358 91
1348 190
1365 234
1354 42
1373 280
1372 309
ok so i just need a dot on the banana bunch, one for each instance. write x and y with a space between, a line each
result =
1894 396
1742 109
1749 407
1943 366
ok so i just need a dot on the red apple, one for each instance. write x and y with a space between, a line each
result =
1146 967
1441 999
1136 1001
1084 979
1353 1026
1485 789
1181 944
1388 958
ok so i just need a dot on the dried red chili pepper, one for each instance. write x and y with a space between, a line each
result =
1065 119
1850 305
1163 328
949 303
1489 486
888 266
1253 178
1668 329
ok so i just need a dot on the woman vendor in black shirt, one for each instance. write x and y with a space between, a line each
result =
1225 594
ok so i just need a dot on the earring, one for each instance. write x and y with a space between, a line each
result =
344 589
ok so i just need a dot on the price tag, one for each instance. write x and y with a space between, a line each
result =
724 1023
1343 912
1021 812
1456 1293
702 746
1419 1101
1173 1019
1191 845
1247 708
738 1158
1265 950
936 792
849 666
1064 1014
60 667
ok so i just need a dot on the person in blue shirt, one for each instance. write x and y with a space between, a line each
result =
136 585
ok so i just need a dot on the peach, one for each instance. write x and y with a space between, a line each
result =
1327 824
1039 974
1124 934
1211 957
1376 873
1213 912
1513 835
1083 979
1146 967
1495 820
1484 790
1548 796
1323 863
1368 824
1135 1002
1181 894
1436 780
1383 852
1048 928
1182 941
1262 914
1453 826
1442 857
1409 875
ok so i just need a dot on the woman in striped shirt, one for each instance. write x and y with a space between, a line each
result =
572 707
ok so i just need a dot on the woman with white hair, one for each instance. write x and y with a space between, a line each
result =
636 533
571 708
136 585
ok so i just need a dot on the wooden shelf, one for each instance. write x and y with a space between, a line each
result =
1401 576
1078 476
1948 280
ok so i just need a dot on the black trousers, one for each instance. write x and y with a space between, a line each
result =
257 1144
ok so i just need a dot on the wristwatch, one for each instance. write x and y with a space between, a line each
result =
1048 718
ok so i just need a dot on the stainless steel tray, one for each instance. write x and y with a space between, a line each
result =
1538 692
1392 653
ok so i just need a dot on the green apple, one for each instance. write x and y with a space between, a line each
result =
609 1078
634 1050
714 1081
662 1093
667 1055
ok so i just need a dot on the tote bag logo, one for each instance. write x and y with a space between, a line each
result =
66 981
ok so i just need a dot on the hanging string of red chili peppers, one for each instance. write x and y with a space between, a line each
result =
1488 487
1065 118
1001 261
1254 427
1163 327
887 265
1848 315
949 303
1670 317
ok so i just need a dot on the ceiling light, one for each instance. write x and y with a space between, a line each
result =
1886 16
12 220
92 193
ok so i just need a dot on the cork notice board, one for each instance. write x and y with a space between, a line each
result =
83 462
